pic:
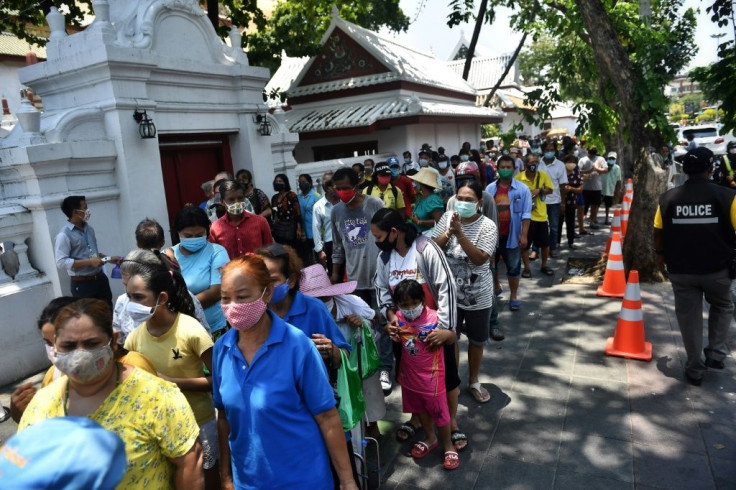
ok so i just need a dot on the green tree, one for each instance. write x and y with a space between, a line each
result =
534 62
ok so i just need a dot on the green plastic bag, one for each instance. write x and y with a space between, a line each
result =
370 361
350 391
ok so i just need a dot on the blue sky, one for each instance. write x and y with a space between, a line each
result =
429 30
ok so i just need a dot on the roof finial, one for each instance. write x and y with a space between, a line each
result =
335 12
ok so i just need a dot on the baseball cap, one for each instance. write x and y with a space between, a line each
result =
63 453
612 154
382 169
697 160
393 162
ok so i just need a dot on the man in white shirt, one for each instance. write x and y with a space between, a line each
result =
557 172
321 226
592 167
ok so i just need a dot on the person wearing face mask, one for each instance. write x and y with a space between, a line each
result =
257 198
290 441
239 231
286 219
382 188
557 173
725 167
425 161
592 167
200 262
469 240
308 197
402 183
173 340
540 185
447 178
514 203
454 161
76 253
406 255
429 207
155 421
368 168
611 183
321 226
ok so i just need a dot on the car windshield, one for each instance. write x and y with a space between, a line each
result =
700 132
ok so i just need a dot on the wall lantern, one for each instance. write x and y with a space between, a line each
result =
146 128
264 127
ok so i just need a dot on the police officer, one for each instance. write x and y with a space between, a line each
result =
694 236
726 167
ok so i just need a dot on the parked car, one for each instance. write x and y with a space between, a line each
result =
707 135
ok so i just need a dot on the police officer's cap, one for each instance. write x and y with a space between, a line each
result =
697 160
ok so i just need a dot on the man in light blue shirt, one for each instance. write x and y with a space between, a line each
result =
307 198
75 251
514 205
321 226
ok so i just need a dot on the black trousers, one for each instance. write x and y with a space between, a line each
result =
98 288
570 217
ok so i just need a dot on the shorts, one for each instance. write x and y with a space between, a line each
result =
580 200
210 445
608 201
592 198
475 324
538 234
511 257
435 405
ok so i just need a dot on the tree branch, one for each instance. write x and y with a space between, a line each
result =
511 62
474 39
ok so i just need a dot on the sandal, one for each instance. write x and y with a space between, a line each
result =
514 305
498 291
452 460
408 430
457 437
480 394
526 273
421 449
547 271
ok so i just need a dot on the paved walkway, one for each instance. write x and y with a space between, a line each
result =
563 415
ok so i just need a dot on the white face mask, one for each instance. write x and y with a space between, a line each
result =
442 164
330 304
140 313
413 313
50 353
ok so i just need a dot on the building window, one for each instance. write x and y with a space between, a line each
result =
347 150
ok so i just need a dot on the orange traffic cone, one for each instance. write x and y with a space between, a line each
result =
625 207
614 281
615 228
628 341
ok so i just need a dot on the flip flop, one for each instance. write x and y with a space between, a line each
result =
407 428
421 449
526 273
480 394
514 305
458 436
452 461
498 291
547 271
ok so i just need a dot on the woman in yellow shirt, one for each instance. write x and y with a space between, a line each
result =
175 342
150 415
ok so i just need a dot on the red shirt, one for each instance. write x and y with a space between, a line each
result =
250 234
406 186
504 210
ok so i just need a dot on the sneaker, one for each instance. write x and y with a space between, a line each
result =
497 334
386 384
713 364
594 226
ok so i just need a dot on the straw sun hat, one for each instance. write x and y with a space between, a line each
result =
427 177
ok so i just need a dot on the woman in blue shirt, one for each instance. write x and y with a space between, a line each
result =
276 410
200 263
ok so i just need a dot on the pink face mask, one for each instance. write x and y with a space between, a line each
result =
244 316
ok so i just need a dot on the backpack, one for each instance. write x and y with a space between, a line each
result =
369 191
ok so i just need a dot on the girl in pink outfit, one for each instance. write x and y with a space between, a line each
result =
422 371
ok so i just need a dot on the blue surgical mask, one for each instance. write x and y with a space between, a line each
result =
279 293
194 244
611 161
549 155
464 158
395 172
466 209
407 161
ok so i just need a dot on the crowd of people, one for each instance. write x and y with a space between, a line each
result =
219 365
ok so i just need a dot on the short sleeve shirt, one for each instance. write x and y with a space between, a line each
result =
201 270
573 180
539 207
387 196
425 207
270 405
178 354
150 415
421 370
474 282
248 235
608 181
504 209
402 268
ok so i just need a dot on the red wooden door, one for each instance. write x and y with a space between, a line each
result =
186 163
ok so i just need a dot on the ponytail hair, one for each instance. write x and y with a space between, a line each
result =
160 273
386 218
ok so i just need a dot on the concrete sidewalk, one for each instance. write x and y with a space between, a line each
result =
564 415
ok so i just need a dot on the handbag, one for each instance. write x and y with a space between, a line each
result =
350 391
283 231
370 362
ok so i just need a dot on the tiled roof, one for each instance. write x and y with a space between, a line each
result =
10 45
404 63
284 77
485 71
362 114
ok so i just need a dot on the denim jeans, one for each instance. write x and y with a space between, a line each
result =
553 216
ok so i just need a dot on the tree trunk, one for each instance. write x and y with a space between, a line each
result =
474 40
614 63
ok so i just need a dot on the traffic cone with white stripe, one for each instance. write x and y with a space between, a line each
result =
614 281
628 341
625 207
615 228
